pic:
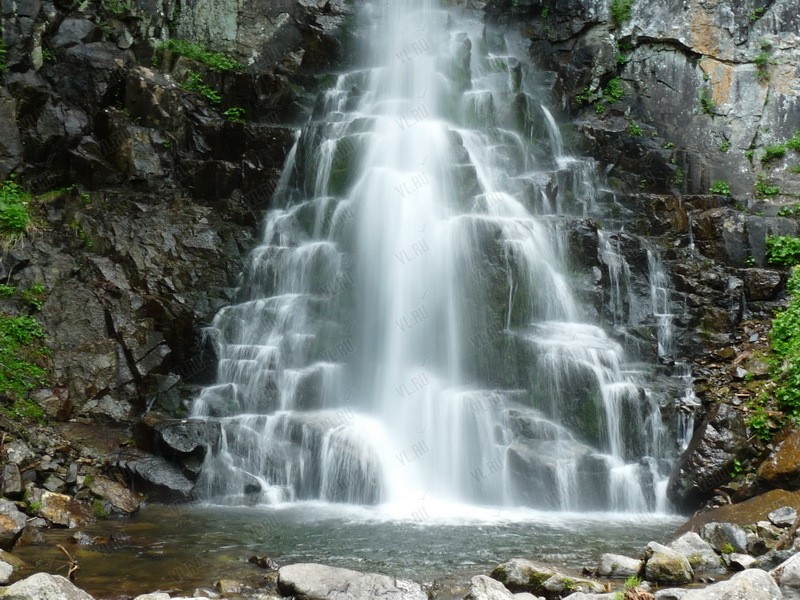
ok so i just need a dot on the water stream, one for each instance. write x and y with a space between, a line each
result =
408 326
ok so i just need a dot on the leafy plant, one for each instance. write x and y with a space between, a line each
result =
706 103
235 114
773 153
585 97
783 250
737 468
763 188
759 423
634 129
725 146
215 61
762 66
614 91
621 11
793 143
668 145
679 176
21 352
720 187
3 55
15 217
194 83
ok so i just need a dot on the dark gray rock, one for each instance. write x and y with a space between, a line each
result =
12 481
783 517
725 537
158 479
74 31
320 582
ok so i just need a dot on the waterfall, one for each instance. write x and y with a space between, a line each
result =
407 325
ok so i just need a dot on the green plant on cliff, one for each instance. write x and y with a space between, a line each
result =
621 11
720 187
762 65
22 352
706 103
3 53
15 216
235 114
785 341
773 153
194 83
216 61
764 188
634 129
613 92
793 143
783 250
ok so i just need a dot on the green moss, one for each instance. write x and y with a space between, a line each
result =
720 187
99 509
621 11
773 153
706 103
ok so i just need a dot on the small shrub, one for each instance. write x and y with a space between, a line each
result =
585 97
15 217
634 129
99 509
3 59
235 114
706 103
194 83
773 153
621 11
725 146
762 66
783 250
763 188
21 351
668 145
215 61
720 187
793 143
614 91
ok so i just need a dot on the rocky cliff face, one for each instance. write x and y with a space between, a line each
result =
149 165
676 100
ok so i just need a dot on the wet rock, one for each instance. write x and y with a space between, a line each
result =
740 562
74 31
782 468
62 510
725 538
787 576
308 581
265 562
159 479
752 584
762 284
12 522
665 565
783 517
522 575
12 481
43 586
229 586
6 571
486 588
117 495
701 556
616 565
560 585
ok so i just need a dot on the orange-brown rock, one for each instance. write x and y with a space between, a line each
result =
745 513
782 468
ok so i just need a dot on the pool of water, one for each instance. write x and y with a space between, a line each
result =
178 548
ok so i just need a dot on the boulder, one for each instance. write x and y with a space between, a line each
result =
787 576
616 565
762 284
309 581
486 588
744 513
159 479
783 517
118 496
62 510
12 481
782 468
752 584
522 575
12 522
671 594
6 571
740 562
725 538
43 586
700 554
665 565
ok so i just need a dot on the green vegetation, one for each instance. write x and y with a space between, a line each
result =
725 146
737 468
763 188
756 14
599 108
3 53
668 145
773 153
706 103
614 91
215 61
116 7
621 11
759 423
792 211
585 97
21 353
720 187
634 129
783 250
727 548
679 177
82 235
793 143
762 66
194 83
99 509
235 114
15 216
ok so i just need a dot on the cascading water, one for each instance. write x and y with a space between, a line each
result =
407 327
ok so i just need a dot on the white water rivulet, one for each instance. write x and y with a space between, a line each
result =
407 326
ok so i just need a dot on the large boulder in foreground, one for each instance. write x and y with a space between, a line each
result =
701 556
752 584
43 586
522 575
309 581
787 576
665 565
